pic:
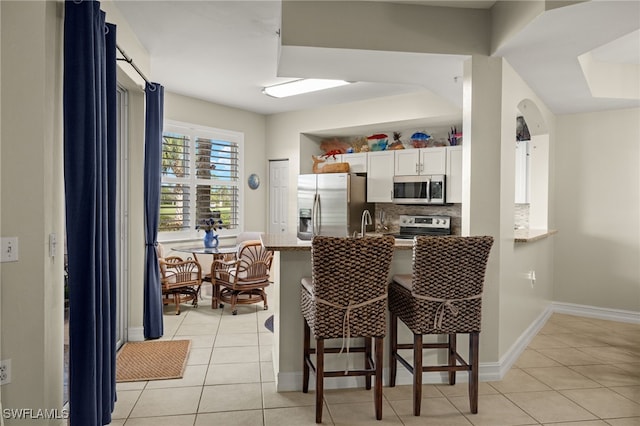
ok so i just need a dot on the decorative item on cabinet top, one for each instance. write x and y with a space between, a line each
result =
328 168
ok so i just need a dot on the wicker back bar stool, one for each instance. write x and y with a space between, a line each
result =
443 295
346 297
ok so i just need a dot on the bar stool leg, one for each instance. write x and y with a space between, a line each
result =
368 356
417 373
319 378
378 382
452 358
305 357
393 349
474 343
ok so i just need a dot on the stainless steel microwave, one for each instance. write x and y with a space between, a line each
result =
422 189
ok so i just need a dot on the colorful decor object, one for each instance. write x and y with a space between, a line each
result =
419 139
378 142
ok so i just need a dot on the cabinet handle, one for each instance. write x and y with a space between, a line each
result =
417 164
422 167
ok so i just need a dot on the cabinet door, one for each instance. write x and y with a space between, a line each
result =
454 174
407 162
380 176
433 161
357 162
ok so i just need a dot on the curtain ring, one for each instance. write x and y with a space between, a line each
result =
152 87
106 29
77 1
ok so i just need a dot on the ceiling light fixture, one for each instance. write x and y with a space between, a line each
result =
304 85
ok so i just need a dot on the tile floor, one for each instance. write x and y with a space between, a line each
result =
576 371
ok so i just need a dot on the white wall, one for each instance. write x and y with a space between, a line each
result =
32 200
597 208
520 304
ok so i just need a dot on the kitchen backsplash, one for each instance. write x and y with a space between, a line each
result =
392 214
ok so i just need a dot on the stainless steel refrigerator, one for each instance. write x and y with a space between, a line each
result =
331 204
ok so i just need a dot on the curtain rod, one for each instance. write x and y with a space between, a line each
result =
128 60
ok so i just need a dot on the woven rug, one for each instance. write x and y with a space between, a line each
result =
152 360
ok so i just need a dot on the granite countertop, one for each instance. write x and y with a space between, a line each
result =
530 235
290 242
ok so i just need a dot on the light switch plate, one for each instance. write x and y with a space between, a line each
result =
9 249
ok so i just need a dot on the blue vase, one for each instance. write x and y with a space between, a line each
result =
210 240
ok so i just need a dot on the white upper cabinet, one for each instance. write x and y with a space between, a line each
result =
423 161
454 174
380 176
357 162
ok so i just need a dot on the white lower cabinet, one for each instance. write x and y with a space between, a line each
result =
380 170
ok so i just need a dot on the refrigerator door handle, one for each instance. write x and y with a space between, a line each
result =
428 183
319 214
314 216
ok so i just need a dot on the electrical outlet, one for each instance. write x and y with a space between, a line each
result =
5 372
532 277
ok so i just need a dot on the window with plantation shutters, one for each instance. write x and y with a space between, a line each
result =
200 179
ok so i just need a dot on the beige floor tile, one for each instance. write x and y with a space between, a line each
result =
266 353
163 421
238 327
580 423
604 403
533 358
561 378
204 315
570 356
125 386
631 392
517 380
550 406
266 372
235 418
436 411
633 368
584 325
266 339
346 396
201 341
462 389
493 410
236 339
167 402
193 376
295 416
610 354
629 421
581 340
199 356
553 328
247 396
117 422
545 341
225 374
274 399
406 392
240 354
608 375
362 413
197 329
125 403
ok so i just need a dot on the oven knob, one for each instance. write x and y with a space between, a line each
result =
437 221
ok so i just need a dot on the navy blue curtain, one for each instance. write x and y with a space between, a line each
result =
90 178
154 95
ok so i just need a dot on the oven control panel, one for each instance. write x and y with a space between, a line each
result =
441 222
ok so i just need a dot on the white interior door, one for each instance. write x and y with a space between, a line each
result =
278 196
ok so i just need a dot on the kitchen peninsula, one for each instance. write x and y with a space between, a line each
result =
292 261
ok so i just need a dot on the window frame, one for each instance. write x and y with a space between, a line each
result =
194 131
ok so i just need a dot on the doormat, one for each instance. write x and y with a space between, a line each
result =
152 360
269 323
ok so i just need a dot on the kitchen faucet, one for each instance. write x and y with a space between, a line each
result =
366 220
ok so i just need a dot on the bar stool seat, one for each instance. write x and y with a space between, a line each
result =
345 298
443 295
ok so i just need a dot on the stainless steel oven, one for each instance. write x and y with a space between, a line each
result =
422 189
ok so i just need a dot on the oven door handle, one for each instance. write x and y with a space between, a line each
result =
428 183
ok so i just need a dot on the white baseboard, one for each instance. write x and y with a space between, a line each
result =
489 371
596 312
135 334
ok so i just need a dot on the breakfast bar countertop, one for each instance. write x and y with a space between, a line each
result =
290 242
